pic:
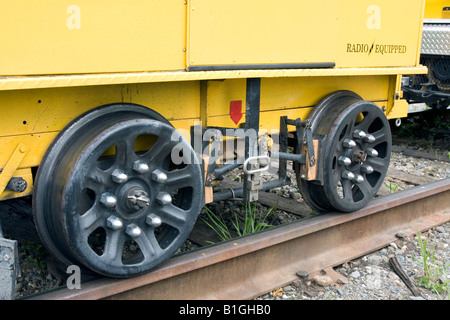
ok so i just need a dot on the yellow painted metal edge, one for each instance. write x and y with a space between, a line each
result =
11 166
53 81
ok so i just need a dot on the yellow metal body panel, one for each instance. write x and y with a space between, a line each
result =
283 94
48 110
379 33
84 36
57 37
236 32
362 33
36 116
434 9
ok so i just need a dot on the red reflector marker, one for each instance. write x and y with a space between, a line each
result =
236 111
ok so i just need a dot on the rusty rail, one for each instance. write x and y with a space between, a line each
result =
247 267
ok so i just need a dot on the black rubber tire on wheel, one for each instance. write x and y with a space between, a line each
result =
351 174
120 214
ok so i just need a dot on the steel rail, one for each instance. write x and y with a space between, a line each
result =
247 267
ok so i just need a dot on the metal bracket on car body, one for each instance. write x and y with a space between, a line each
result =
307 139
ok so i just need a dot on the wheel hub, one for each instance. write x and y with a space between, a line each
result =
136 199
358 156
354 157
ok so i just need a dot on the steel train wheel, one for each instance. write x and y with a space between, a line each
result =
104 206
356 153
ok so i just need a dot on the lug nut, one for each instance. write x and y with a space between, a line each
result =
119 176
347 175
140 166
347 143
108 200
153 220
372 152
114 223
366 169
164 198
133 230
359 134
358 178
344 161
159 176
369 138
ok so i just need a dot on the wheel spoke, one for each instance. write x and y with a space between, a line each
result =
173 216
365 189
369 118
112 254
125 150
149 246
349 124
158 152
347 189
97 178
380 136
178 179
378 164
91 220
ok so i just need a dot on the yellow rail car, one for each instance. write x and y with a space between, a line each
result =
114 113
